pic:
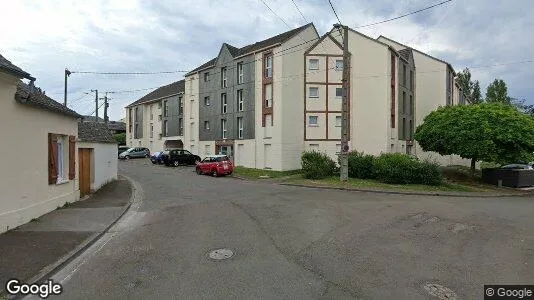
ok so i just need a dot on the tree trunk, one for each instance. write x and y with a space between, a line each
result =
473 162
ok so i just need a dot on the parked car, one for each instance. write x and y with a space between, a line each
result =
517 167
157 158
176 157
135 153
215 165
122 149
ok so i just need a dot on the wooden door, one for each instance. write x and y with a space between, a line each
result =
84 170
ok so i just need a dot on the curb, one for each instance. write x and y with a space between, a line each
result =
50 270
438 194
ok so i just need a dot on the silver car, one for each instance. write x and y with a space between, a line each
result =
135 152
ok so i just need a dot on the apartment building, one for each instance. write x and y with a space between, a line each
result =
250 101
381 95
436 86
156 120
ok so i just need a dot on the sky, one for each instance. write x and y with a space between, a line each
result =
493 38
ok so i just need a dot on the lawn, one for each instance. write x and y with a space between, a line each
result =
251 173
373 184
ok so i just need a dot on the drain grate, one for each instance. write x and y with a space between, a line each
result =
440 291
221 254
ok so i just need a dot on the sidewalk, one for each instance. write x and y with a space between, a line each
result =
35 249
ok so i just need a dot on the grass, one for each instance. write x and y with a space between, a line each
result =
374 184
251 173
66 205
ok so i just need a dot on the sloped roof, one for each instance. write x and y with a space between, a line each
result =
115 125
236 52
164 91
7 66
95 132
33 96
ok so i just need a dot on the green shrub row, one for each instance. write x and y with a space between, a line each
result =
393 168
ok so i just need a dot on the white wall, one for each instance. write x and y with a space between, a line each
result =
25 192
103 163
191 102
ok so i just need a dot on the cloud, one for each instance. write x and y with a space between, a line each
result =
141 36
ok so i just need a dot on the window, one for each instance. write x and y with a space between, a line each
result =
338 121
206 76
207 101
269 95
151 115
240 127
313 121
223 128
313 92
165 128
151 130
240 75
339 92
313 64
224 104
206 125
269 66
191 131
403 129
411 79
136 131
411 105
411 130
60 159
165 109
403 103
239 100
130 115
159 104
180 105
339 65
180 126
404 75
223 77
191 109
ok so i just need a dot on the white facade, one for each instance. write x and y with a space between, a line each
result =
25 191
369 96
435 81
103 163
191 118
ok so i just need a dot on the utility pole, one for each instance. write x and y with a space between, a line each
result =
344 164
67 73
96 104
106 105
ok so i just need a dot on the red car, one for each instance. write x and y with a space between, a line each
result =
215 165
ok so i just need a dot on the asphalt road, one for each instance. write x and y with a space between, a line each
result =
302 243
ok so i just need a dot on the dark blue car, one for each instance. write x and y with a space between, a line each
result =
157 158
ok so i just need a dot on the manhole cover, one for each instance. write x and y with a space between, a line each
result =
440 291
221 254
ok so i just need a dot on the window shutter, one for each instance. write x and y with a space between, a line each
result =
52 158
72 157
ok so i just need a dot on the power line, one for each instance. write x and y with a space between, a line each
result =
95 109
405 15
275 13
129 73
334 10
137 90
301 14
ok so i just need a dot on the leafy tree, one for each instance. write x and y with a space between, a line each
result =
490 132
120 138
523 107
476 95
470 88
498 92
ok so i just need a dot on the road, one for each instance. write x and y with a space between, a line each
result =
303 243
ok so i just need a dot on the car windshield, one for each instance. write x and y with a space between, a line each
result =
130 150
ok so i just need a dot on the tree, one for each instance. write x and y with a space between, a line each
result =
491 132
120 138
476 95
498 92
469 87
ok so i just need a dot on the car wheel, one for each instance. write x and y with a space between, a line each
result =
147 155
214 173
197 160
199 172
176 163
127 157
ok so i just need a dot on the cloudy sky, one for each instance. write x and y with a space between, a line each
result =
44 37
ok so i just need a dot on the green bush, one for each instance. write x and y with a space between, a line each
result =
361 165
397 168
317 165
